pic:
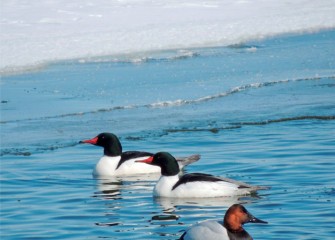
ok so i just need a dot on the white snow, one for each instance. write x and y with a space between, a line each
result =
37 32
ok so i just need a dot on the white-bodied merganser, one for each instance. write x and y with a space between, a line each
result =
114 162
231 229
196 185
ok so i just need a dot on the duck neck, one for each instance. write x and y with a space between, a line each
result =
113 150
232 226
239 235
171 169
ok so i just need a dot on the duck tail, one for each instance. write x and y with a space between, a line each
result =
184 161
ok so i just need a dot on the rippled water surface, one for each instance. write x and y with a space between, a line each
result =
262 113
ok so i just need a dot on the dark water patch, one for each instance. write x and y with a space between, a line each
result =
330 191
132 138
288 119
329 85
165 217
238 125
15 152
212 130
26 152
111 224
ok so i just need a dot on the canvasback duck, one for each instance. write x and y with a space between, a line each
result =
114 162
193 185
230 229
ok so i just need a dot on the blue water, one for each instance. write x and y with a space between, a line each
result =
261 112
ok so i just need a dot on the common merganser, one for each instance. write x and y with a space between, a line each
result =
196 185
114 162
231 229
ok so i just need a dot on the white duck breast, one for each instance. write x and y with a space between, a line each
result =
209 230
109 166
196 185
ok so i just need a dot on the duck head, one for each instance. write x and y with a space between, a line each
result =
236 216
164 160
109 141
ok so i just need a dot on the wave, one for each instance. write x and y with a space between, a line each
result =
175 103
230 126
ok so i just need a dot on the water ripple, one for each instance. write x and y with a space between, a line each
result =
175 103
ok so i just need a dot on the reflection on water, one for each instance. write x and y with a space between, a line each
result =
173 204
109 189
171 207
112 187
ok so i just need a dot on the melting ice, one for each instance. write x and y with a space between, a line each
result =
38 32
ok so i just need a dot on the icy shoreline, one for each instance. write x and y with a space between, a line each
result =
34 34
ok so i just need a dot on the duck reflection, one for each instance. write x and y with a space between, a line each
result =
109 189
177 203
112 187
171 207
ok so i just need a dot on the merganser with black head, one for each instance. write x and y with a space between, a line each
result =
230 229
114 162
193 185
